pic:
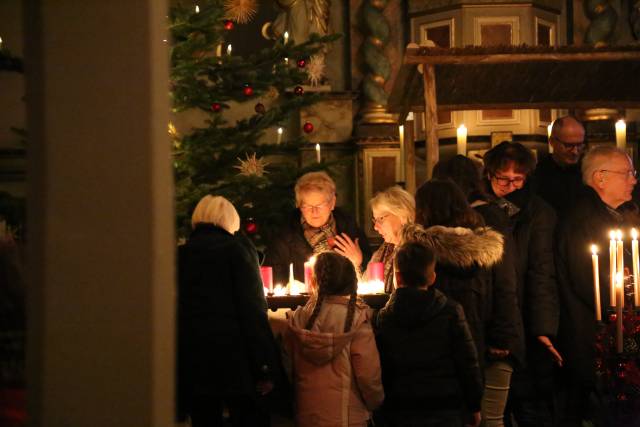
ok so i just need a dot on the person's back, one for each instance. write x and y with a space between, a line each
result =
335 363
430 369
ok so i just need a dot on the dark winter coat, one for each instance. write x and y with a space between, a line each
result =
472 270
225 344
559 186
290 245
587 223
429 361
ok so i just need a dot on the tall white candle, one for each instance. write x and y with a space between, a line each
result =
621 134
291 278
612 268
636 267
619 307
318 156
279 137
596 281
620 253
462 139
402 157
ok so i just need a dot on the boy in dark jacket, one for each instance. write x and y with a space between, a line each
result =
430 370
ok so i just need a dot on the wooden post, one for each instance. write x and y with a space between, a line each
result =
431 118
410 156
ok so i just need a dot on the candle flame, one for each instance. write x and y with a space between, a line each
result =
280 130
549 127
619 234
317 147
619 280
594 249
621 125
312 260
197 9
229 49
462 128
612 234
634 233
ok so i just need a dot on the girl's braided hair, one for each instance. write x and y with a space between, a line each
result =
335 275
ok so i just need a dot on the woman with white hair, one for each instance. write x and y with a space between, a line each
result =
316 226
392 209
226 352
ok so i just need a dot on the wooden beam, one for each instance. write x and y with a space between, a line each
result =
415 56
533 105
431 119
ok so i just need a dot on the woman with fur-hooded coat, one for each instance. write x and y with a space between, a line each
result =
472 266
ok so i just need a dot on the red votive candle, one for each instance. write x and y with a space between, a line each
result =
376 271
267 278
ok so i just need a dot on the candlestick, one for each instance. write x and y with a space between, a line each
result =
621 134
462 140
286 37
596 281
279 137
619 307
229 49
402 159
612 268
549 127
636 267
318 157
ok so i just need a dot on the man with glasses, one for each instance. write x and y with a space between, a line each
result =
557 176
610 177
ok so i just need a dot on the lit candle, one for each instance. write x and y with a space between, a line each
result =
620 253
549 127
376 270
0 43
266 273
291 278
612 268
279 137
308 272
318 156
636 266
621 134
197 9
229 49
402 160
286 37
462 140
596 281
619 307
286 61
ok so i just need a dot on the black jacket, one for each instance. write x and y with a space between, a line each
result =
225 343
290 245
588 223
429 361
472 270
559 186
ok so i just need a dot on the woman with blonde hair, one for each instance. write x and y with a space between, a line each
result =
392 209
226 352
316 226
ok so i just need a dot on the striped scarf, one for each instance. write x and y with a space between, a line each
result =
318 237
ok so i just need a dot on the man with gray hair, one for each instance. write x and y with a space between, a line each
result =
610 177
557 176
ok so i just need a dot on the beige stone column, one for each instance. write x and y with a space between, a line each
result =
101 295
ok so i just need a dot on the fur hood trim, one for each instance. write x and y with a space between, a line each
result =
459 247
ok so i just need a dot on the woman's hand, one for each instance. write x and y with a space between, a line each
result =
545 341
348 248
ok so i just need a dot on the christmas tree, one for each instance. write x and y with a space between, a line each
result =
248 161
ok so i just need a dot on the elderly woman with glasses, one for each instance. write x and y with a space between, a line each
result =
316 226
507 168
392 209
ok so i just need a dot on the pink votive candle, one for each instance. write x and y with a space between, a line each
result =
267 278
376 271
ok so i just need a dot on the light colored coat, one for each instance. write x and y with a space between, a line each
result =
336 375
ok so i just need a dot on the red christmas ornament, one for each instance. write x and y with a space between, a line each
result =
260 108
301 63
307 127
248 91
216 107
251 227
298 90
228 24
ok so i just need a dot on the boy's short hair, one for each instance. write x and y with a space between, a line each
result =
414 261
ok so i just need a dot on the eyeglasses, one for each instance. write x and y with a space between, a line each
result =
570 145
628 174
504 181
379 220
311 208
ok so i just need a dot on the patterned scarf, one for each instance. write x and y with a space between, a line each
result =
318 237
385 254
